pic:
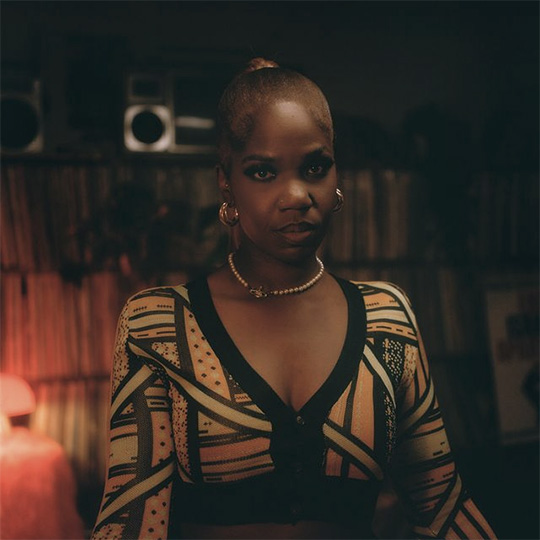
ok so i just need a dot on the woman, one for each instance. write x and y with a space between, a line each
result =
269 399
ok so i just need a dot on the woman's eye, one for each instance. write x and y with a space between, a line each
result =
318 170
315 170
260 173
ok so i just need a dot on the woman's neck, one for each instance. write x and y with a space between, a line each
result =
261 269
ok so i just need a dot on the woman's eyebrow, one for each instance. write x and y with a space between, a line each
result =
258 157
318 152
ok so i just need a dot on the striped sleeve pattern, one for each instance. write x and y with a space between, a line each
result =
220 435
423 467
140 468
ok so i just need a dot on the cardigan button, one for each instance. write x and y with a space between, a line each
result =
300 421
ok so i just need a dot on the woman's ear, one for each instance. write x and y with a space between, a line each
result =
223 184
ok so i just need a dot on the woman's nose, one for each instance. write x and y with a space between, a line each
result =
295 195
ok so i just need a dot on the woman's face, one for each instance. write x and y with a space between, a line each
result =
283 183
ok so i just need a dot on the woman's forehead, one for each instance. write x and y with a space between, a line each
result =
288 119
284 112
289 106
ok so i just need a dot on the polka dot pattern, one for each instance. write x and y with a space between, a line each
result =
156 512
167 350
129 409
111 531
179 418
393 352
409 366
206 366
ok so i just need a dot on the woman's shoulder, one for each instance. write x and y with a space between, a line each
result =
386 302
383 290
383 294
157 298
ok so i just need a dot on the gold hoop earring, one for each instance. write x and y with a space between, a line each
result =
340 201
224 216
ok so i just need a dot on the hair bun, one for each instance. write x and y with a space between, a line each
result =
260 63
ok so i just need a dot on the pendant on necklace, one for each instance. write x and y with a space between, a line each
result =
258 292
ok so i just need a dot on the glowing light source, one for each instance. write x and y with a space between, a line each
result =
16 396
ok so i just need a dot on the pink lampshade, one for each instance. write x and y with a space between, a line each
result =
16 396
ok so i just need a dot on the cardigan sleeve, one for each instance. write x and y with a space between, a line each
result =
423 468
138 482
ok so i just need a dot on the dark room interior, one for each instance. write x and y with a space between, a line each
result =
108 187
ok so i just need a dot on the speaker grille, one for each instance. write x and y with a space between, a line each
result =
21 123
147 128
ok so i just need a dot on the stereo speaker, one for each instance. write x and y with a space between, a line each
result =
148 116
21 116
172 112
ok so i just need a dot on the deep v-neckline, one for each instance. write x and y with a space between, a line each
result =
259 390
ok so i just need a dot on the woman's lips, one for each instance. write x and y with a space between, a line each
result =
297 232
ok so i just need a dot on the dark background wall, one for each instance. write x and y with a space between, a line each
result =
380 61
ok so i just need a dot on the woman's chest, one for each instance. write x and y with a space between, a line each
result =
293 353
229 424
244 430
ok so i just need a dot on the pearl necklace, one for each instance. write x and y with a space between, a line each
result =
259 292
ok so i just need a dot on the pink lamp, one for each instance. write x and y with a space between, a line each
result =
16 399
37 485
16 396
